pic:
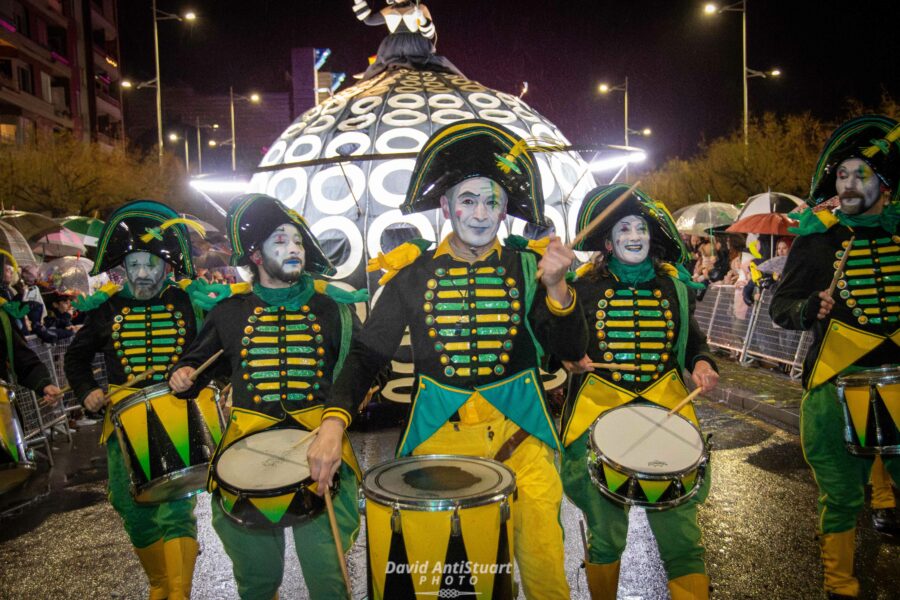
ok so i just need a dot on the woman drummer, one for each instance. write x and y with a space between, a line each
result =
636 295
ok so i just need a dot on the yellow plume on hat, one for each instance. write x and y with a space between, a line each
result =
156 232
883 145
12 259
507 162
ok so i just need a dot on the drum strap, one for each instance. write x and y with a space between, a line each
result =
510 445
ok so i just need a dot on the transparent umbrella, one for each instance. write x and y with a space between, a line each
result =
67 273
30 225
14 242
697 219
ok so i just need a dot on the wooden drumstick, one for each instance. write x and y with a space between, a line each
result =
206 365
595 222
302 440
614 367
684 402
840 269
329 504
372 391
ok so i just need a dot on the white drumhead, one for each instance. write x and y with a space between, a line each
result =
644 439
422 479
267 460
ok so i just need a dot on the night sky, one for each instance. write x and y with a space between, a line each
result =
684 68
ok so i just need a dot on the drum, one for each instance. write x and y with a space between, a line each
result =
642 456
167 442
262 480
439 526
871 403
16 464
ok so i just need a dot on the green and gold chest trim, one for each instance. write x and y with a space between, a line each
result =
634 330
151 336
282 354
473 315
870 284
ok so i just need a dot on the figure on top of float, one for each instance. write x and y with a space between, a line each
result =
410 42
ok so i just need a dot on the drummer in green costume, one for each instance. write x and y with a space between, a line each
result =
638 303
143 324
285 339
858 326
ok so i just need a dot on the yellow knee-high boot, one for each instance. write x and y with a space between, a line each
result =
603 580
837 558
154 562
181 554
690 587
882 492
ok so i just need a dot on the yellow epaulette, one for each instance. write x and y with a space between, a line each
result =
669 269
240 288
583 270
828 218
395 260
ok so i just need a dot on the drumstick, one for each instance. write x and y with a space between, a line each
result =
304 438
206 365
108 395
840 269
614 367
684 402
595 222
337 540
372 391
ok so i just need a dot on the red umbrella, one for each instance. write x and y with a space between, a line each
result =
764 224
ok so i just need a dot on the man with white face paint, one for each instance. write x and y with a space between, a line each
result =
285 339
855 328
638 301
142 325
478 319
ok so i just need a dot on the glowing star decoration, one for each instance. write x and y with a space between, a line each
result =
630 240
857 186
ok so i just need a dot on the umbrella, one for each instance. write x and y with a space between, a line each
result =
770 224
209 227
696 219
88 228
773 265
30 225
770 202
59 243
13 242
68 273
212 260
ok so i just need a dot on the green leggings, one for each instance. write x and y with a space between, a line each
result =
257 555
146 523
841 476
676 529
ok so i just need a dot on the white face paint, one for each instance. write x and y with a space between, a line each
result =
145 273
857 186
631 240
283 256
476 208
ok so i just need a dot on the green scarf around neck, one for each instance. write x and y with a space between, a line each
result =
632 274
291 297
887 219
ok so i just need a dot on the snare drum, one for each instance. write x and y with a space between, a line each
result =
263 480
871 403
167 442
439 526
16 464
642 456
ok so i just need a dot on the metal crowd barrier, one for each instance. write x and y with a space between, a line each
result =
752 337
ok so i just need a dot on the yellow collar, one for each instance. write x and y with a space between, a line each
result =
446 248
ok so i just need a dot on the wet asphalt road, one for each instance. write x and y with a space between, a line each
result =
758 526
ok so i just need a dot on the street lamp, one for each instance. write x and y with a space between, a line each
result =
174 137
712 8
605 88
213 126
252 99
160 15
